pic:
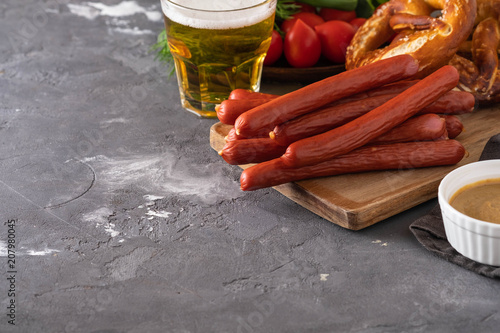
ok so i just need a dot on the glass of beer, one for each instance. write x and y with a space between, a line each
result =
217 46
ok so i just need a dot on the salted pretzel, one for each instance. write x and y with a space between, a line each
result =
478 68
432 41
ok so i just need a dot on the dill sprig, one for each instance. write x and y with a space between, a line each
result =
162 50
285 9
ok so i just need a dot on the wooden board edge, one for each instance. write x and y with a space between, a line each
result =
354 219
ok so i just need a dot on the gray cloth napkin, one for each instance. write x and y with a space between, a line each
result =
429 229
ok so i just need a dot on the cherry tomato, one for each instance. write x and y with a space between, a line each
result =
357 22
310 19
302 45
329 14
335 36
275 49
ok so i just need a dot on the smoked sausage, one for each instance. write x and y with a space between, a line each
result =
246 151
454 126
325 119
312 96
249 94
365 128
420 128
231 135
382 157
391 88
230 109
453 102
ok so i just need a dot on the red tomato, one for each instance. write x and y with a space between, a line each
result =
335 36
329 14
302 45
310 19
275 49
357 22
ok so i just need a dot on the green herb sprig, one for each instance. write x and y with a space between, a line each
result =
285 9
163 54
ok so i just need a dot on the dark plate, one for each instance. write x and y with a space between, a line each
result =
282 72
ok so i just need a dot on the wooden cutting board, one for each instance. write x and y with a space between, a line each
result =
356 201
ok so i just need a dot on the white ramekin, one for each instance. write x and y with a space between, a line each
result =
475 239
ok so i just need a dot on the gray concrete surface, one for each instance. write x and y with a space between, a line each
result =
125 220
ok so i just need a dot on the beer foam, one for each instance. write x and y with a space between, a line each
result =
213 14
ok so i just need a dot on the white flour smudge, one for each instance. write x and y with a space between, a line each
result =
135 31
151 198
45 251
100 218
92 10
152 213
94 158
41 253
160 213
116 120
165 174
150 201
83 11
109 229
125 8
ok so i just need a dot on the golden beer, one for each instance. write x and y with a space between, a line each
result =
217 50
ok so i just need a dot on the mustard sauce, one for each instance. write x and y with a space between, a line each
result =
479 200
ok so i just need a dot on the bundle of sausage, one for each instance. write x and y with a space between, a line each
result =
371 118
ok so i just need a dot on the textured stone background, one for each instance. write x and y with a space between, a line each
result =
127 220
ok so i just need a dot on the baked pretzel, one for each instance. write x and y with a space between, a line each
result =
479 67
432 41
